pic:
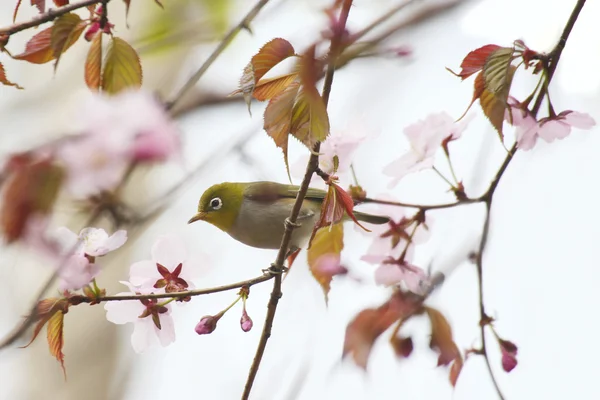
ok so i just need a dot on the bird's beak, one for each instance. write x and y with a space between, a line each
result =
198 217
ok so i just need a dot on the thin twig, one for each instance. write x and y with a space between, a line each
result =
243 24
48 16
313 163
423 207
552 62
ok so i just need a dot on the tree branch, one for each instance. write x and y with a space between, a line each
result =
48 16
553 59
243 24
313 163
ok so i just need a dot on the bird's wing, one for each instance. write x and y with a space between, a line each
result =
270 191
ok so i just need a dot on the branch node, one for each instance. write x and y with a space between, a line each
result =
289 225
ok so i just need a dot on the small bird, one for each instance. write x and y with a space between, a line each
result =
254 212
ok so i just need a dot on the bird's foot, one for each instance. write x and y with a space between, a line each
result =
291 225
275 270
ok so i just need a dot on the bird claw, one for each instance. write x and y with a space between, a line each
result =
291 225
275 270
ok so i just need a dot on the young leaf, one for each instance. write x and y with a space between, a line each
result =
56 339
442 341
326 247
310 122
40 4
4 80
38 49
67 29
127 4
278 118
494 104
30 188
122 68
16 11
44 311
370 323
60 3
496 68
269 88
93 63
475 60
271 54
403 346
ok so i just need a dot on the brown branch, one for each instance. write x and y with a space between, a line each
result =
424 207
551 64
188 293
290 223
48 16
243 24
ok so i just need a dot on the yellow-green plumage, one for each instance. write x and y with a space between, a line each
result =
254 212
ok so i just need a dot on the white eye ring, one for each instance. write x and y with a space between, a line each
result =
216 203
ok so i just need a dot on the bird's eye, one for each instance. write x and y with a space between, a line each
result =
216 203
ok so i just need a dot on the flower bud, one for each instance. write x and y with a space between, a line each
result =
246 321
207 324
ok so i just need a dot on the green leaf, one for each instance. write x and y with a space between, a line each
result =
93 63
310 122
122 67
327 243
496 69
67 29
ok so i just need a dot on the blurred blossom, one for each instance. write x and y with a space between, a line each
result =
93 242
342 144
153 323
177 272
118 130
425 137
410 276
528 130
76 272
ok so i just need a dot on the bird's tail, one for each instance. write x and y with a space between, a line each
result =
371 219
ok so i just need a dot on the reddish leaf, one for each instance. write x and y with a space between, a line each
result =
278 118
127 4
403 346
475 60
60 3
56 339
31 188
443 343
16 10
40 4
44 311
39 48
4 80
369 324
93 63
67 29
326 247
271 54
268 88
310 122
122 68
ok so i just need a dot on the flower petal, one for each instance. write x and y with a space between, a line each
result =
578 120
116 240
122 312
143 273
169 251
166 335
143 334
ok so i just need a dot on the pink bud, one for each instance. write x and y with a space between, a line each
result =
509 354
207 324
92 30
245 321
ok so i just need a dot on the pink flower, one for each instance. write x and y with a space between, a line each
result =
425 137
169 271
76 272
118 130
93 242
79 251
509 354
412 277
528 130
152 321
329 265
390 239
342 144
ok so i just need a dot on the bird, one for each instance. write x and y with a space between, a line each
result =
254 213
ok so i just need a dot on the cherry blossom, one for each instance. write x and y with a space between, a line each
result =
342 144
79 251
153 323
425 137
118 130
412 277
168 271
528 129
509 354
